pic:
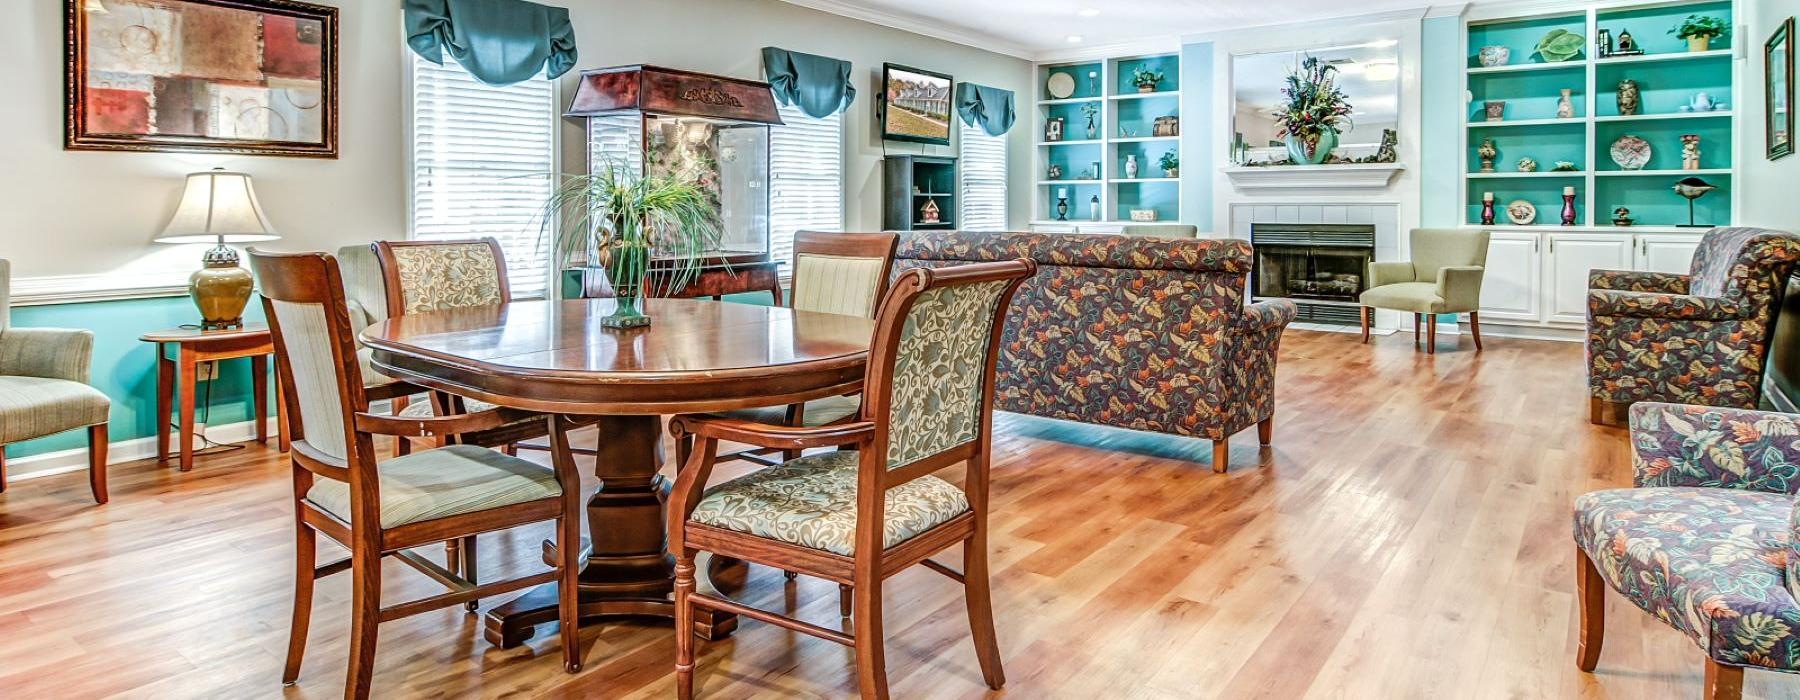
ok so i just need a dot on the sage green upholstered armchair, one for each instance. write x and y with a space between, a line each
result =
1443 277
44 388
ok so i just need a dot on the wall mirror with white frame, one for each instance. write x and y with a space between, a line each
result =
1368 74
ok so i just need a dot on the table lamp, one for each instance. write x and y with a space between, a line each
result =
219 206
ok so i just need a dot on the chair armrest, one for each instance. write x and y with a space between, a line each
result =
1679 445
1684 307
1381 273
436 426
50 353
1460 286
771 436
1634 281
1273 314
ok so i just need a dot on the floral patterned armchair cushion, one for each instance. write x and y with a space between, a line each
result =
1700 338
1706 540
1140 333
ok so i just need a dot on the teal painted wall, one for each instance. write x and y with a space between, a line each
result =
125 368
1441 97
1197 135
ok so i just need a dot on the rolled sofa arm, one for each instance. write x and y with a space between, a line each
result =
1669 306
50 353
1264 316
1681 445
1634 281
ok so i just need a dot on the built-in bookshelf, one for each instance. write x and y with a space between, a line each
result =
1668 75
1094 175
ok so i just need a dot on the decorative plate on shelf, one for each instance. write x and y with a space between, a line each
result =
1521 212
1631 152
1060 85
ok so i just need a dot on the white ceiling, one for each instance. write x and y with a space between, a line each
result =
1036 28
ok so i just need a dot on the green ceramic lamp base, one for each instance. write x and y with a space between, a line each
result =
221 290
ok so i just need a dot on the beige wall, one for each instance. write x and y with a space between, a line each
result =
92 214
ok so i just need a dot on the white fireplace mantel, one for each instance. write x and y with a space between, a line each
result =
1343 177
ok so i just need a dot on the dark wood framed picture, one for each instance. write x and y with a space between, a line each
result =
252 77
1778 72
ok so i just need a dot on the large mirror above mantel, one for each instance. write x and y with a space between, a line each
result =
1354 90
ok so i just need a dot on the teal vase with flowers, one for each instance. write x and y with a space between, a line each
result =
1314 114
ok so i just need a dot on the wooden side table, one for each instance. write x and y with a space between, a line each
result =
193 346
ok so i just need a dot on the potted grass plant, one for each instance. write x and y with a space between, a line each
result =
617 221
1700 30
1315 111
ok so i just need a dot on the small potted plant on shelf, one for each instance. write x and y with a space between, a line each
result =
1146 79
1314 111
617 222
1171 163
1700 30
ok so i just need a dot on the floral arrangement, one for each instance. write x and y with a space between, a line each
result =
1697 26
1314 103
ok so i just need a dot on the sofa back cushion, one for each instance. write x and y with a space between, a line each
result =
1743 263
1122 331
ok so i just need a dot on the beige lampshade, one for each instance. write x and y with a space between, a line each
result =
218 206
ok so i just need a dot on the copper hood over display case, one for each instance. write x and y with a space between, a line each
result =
672 92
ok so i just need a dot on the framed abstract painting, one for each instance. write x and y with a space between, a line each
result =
253 77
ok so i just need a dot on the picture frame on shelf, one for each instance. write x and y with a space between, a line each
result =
1053 129
1778 91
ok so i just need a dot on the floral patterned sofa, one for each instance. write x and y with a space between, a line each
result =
1700 338
1705 542
1140 333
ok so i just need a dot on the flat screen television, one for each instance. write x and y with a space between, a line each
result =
915 105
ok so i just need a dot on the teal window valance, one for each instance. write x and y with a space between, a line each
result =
818 85
987 107
500 42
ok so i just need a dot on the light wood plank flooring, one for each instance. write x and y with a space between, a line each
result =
1406 537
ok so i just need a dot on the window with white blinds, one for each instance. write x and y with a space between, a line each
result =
806 167
983 164
482 162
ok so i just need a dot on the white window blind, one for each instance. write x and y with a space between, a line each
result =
482 162
983 165
806 165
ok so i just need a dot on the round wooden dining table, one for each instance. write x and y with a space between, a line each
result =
556 357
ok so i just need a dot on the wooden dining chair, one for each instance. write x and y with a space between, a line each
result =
384 508
839 273
870 508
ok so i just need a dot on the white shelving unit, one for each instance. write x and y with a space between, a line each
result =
1111 186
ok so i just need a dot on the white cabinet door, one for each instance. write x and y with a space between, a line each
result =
1509 286
1666 252
1569 258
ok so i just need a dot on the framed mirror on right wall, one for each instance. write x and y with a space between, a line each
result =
1778 68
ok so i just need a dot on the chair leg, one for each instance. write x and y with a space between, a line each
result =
1366 311
684 627
97 461
871 657
1475 328
1723 682
453 555
468 569
568 604
1221 456
1431 334
789 575
305 557
2 469
981 607
365 618
1416 319
1265 431
844 594
1591 590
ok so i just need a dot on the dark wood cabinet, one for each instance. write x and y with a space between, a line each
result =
918 192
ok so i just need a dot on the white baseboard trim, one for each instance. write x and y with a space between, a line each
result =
65 461
1534 332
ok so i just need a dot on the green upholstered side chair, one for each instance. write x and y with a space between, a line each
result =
1443 277
44 387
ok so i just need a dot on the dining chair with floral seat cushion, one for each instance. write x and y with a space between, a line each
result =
384 508
1699 338
1705 540
44 388
1443 277
839 273
872 508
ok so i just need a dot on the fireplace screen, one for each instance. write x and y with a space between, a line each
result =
1322 262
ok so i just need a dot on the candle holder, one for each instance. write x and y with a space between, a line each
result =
1568 212
1062 207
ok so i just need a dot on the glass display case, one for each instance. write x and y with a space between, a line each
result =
660 121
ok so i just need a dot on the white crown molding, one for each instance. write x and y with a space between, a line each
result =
1455 10
1138 47
920 26
1403 14
71 289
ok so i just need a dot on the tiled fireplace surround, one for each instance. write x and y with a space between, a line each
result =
1384 216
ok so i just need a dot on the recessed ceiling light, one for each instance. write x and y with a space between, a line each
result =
1088 12
1073 38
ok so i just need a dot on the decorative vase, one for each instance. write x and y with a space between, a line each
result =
1094 208
1528 164
627 270
1488 153
1699 43
1320 150
1146 87
1172 172
1565 108
1568 212
1131 167
1496 110
1491 56
1628 97
1487 209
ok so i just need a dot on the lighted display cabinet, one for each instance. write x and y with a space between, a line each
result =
660 121
1118 163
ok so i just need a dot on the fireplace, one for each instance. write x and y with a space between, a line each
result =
1323 268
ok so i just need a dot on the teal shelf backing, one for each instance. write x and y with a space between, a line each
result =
1084 87
1663 86
1149 154
1139 116
1664 137
1079 198
1074 159
1650 26
1653 201
1074 121
1521 36
1170 65
1545 143
1164 197
1544 193
1528 95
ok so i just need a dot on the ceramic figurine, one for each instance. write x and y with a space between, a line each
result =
1131 167
1692 188
1564 166
1387 152
1491 56
1568 212
1627 45
1565 108
1622 217
1054 172
1487 209
1702 102
1496 110
1690 151
1487 153
1628 97
1528 165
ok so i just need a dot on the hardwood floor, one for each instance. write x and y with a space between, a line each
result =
1406 537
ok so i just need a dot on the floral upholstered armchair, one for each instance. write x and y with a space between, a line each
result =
1705 542
1700 338
1140 333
